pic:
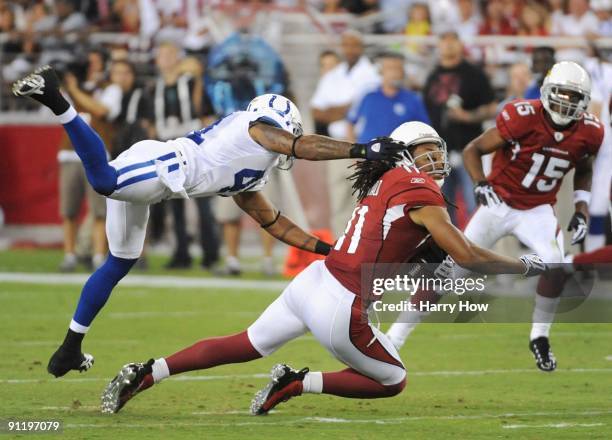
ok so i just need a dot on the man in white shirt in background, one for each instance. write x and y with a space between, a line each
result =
336 92
599 206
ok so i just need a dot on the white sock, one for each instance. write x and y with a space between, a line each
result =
70 257
68 115
404 325
98 260
232 262
160 370
543 316
313 382
78 328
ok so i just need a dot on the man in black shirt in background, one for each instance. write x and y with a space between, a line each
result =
459 98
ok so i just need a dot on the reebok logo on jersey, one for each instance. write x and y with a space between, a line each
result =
417 180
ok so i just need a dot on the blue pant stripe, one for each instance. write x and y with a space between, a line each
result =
136 166
136 179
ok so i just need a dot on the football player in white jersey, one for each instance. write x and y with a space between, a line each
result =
230 158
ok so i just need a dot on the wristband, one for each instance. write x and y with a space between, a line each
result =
267 225
581 195
295 139
357 151
322 248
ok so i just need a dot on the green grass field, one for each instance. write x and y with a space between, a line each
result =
464 380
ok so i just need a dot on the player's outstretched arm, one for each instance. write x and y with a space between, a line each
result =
263 212
465 253
316 147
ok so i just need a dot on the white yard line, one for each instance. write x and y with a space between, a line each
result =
161 281
198 378
376 421
555 425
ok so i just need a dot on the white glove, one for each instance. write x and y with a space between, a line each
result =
485 194
533 265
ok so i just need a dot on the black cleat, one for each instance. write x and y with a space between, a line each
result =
126 384
544 357
285 383
43 86
64 361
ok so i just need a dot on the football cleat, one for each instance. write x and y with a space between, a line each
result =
284 384
126 384
544 357
63 361
43 86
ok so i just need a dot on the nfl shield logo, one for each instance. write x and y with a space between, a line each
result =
558 136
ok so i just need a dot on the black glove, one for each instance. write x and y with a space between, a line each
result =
578 224
533 265
485 194
380 148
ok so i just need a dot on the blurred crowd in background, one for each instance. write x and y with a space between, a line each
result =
180 75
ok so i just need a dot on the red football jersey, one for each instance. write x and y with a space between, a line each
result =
528 172
380 229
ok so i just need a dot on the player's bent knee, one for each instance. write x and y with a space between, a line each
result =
395 389
103 179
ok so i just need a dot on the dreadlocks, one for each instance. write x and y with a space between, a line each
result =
366 174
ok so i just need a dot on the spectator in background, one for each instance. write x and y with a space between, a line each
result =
419 22
389 106
495 20
533 21
579 21
135 119
336 92
458 97
99 104
69 19
603 10
328 59
359 7
178 105
519 79
395 15
542 60
469 20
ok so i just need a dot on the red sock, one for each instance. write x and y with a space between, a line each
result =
212 352
601 255
350 383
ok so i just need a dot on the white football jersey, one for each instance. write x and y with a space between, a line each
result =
223 159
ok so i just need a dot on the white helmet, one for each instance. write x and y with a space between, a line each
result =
415 133
280 109
566 92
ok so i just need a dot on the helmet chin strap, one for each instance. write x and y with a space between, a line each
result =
439 182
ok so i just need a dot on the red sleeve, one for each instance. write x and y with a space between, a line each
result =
515 119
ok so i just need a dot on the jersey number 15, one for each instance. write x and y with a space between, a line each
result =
555 169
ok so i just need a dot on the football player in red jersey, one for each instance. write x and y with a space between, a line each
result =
400 205
536 142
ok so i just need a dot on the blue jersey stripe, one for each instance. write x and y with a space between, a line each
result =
138 165
136 179
173 167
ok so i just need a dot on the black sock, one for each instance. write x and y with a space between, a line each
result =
73 340
58 104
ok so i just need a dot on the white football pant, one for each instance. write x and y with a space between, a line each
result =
316 301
